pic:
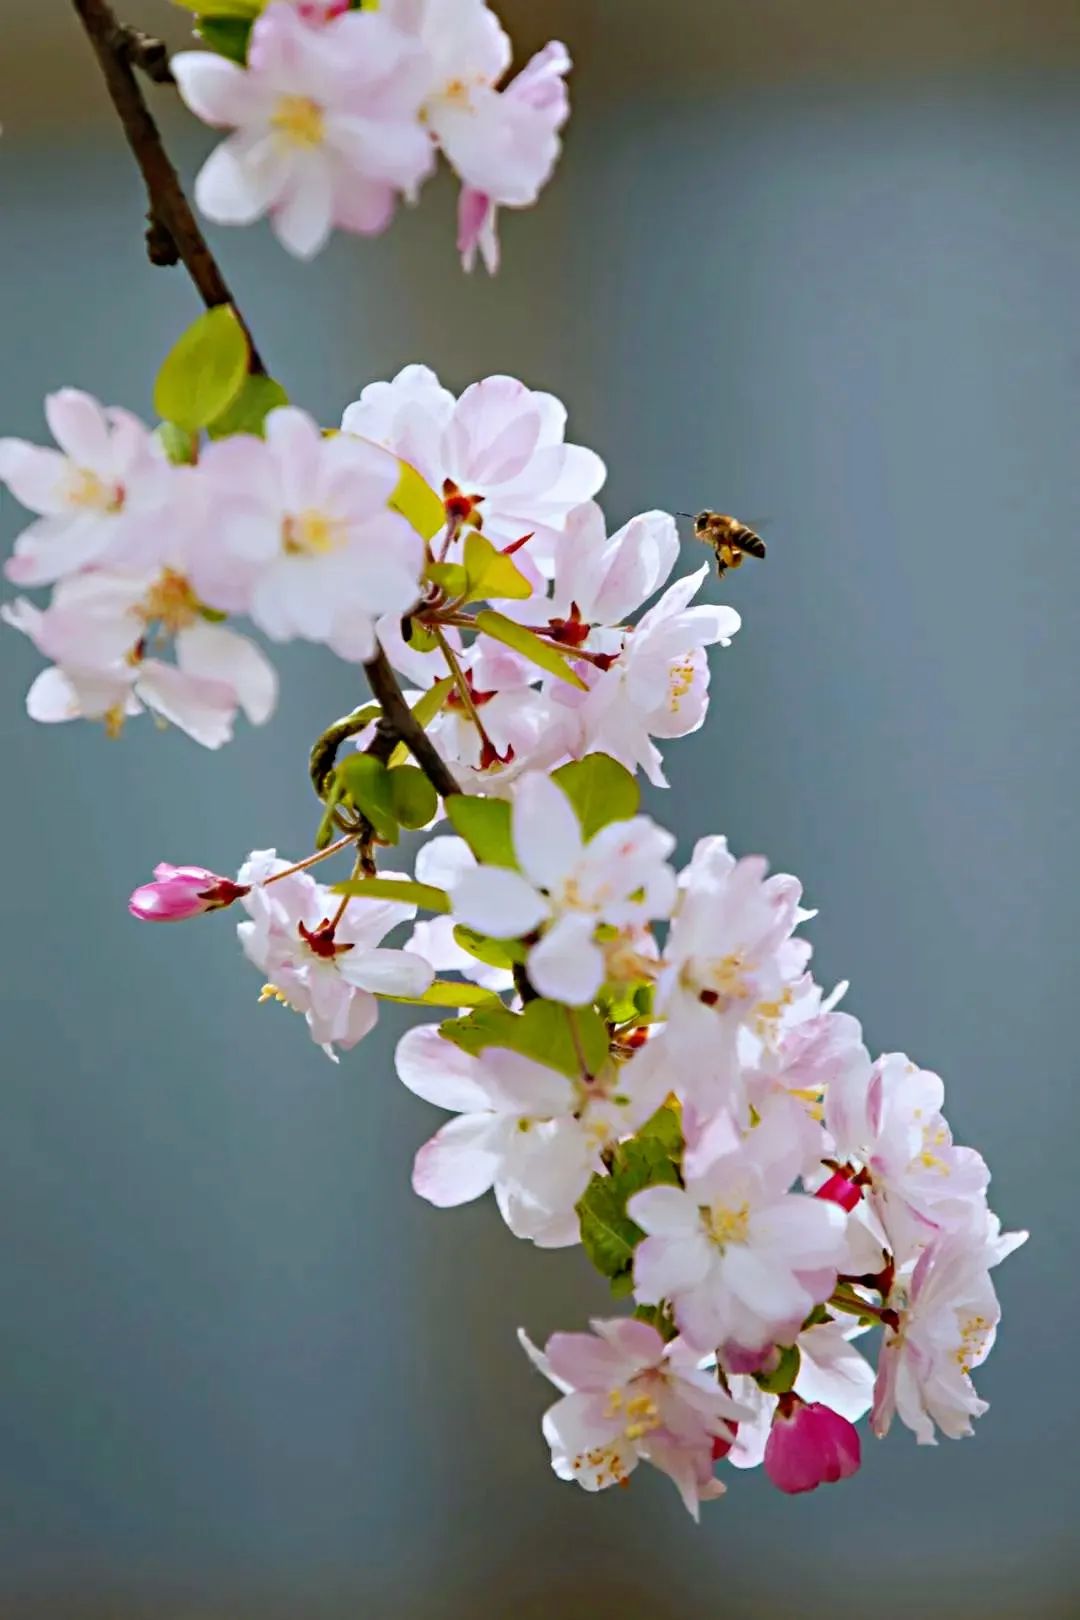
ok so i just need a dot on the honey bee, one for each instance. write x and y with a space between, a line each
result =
730 540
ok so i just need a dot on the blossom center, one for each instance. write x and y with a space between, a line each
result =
724 1225
171 602
92 494
724 980
974 1337
300 122
605 1462
311 534
680 681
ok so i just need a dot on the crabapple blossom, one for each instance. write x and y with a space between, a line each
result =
100 497
101 630
179 892
322 961
729 962
540 87
303 540
530 1133
810 1445
889 1119
502 144
325 121
567 888
602 580
830 1371
741 1258
657 686
628 1397
945 1314
497 455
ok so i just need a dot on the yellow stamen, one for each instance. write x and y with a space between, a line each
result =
311 534
300 121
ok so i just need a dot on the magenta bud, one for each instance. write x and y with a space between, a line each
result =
178 892
840 1189
810 1445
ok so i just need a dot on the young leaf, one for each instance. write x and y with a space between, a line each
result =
600 790
367 782
450 577
403 889
450 993
608 1234
491 576
485 826
425 711
228 36
497 953
538 652
204 372
665 1127
541 1031
412 796
783 1376
418 503
223 8
258 396
180 446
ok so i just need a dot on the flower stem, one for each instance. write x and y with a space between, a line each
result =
173 235
309 860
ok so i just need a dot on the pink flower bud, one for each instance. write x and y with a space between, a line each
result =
840 1189
809 1445
182 891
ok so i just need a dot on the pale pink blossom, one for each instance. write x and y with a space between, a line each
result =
331 971
628 1397
529 1133
441 862
179 892
101 496
657 686
889 1120
533 107
946 1315
729 962
103 631
810 1445
302 538
742 1259
567 888
326 123
497 454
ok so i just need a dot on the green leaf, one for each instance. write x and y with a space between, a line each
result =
258 396
657 1316
485 826
498 953
403 889
412 796
223 8
542 1031
204 372
181 447
450 577
367 782
665 1128
425 711
450 993
608 1234
491 576
600 790
783 1376
418 503
420 638
538 652
228 36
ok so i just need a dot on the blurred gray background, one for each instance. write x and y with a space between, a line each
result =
814 264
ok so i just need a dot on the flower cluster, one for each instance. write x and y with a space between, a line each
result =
635 1059
337 112
303 533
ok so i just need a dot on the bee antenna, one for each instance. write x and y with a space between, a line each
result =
683 514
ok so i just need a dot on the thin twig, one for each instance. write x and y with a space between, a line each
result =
403 725
173 234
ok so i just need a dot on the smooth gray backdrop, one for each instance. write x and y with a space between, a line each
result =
244 1370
